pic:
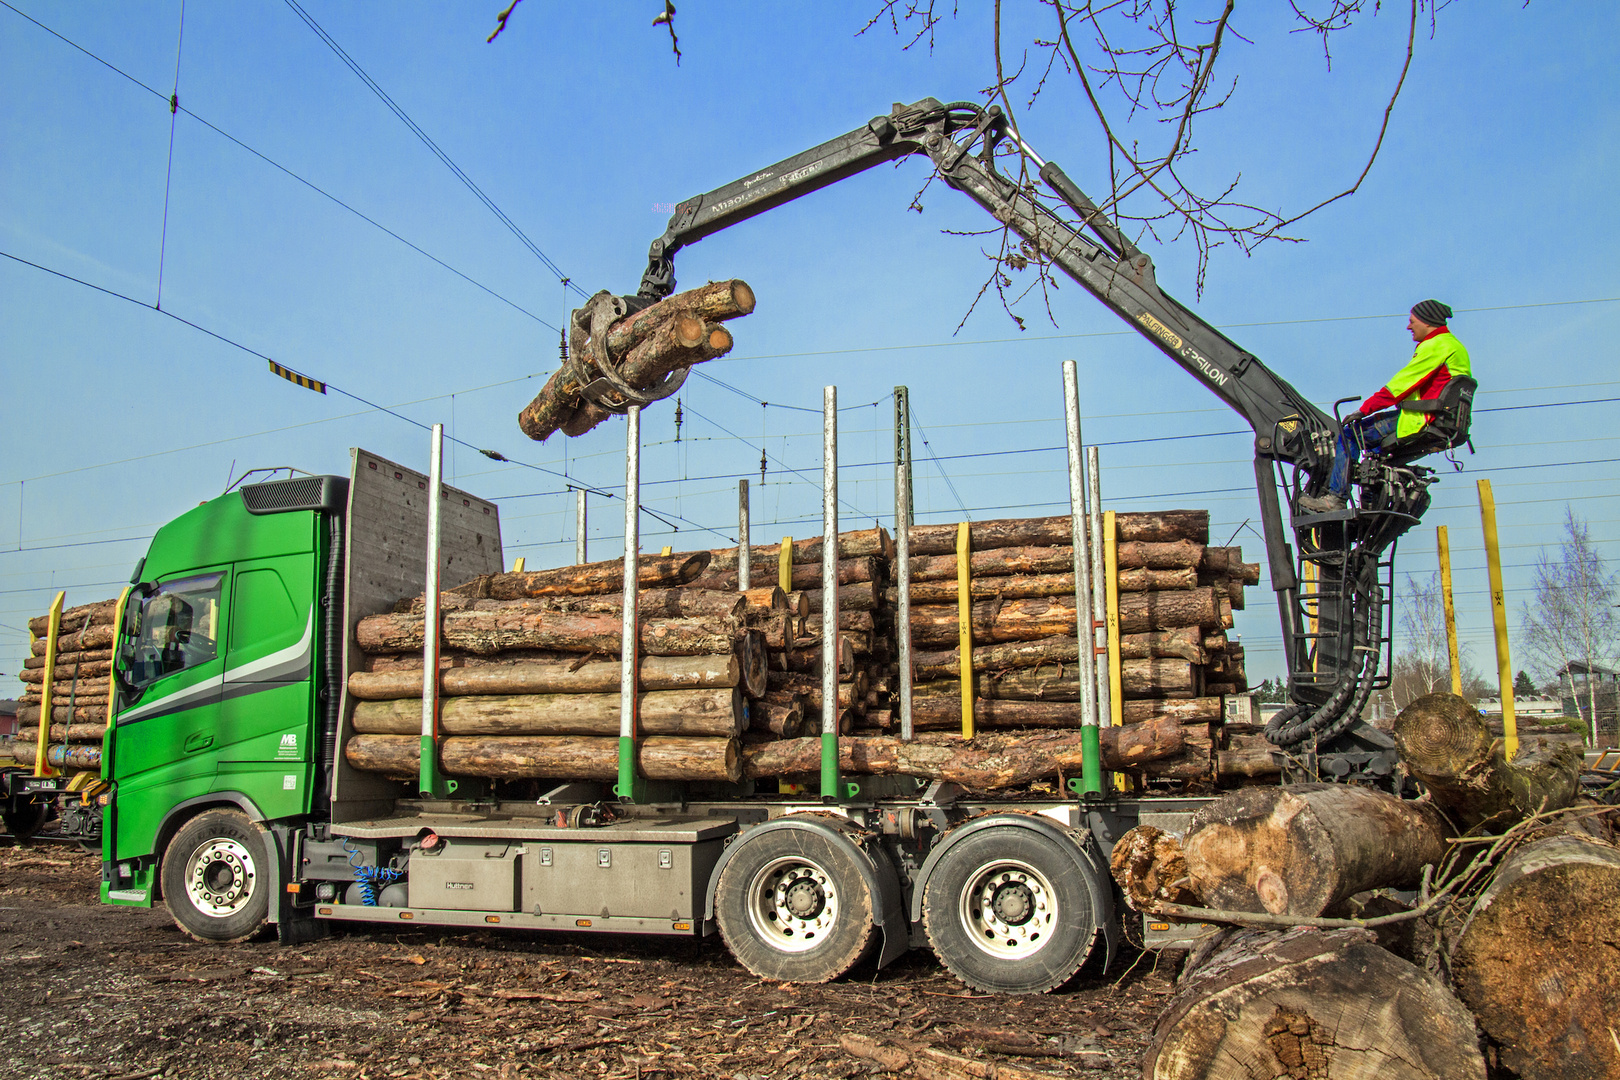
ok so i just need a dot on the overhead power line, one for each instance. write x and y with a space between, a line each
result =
427 141
317 189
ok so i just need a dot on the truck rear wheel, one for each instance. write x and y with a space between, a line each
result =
216 878
792 906
1008 911
27 819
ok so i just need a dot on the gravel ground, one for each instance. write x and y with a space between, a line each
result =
113 992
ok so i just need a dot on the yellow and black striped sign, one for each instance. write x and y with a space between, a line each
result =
302 380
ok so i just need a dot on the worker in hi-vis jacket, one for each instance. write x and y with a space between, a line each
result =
1438 358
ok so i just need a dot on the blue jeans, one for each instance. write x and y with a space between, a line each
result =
1356 435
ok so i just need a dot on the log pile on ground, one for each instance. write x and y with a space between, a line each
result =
646 346
1518 886
78 689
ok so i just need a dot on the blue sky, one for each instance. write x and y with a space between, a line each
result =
1494 192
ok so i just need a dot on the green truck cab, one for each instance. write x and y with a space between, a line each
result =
223 680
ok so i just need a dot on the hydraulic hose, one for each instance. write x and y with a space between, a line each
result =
332 654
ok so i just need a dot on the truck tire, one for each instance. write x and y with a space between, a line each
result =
793 907
27 819
216 878
1008 911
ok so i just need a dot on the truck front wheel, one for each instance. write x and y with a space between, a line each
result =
1008 911
216 878
792 906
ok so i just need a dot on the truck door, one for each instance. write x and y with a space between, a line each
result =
266 713
172 660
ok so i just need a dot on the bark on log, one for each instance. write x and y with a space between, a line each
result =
1139 612
86 656
82 675
995 621
523 757
857 596
944 713
1539 959
1061 682
808 659
1198 710
488 632
1012 588
765 600
1248 757
69 758
1446 745
552 677
75 618
95 636
711 713
805 575
1182 642
1328 1005
860 621
65 714
73 733
1147 864
985 763
653 572
753 660
853 544
678 603
1161 526
1300 850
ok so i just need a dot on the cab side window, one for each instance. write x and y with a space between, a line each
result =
176 626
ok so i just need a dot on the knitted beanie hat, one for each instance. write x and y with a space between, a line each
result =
1432 312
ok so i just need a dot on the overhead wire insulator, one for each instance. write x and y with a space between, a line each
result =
679 418
762 461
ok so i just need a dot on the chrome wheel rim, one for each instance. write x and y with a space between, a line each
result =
792 905
220 877
1008 909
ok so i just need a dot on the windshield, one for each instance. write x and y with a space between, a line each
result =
174 627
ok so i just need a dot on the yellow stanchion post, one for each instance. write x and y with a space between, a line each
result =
518 564
1116 695
1443 545
42 744
784 565
964 629
1504 659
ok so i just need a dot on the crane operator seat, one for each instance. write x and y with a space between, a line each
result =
1452 414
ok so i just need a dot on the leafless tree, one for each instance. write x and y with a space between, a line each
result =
1163 62
1571 619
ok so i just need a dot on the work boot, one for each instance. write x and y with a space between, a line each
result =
1321 504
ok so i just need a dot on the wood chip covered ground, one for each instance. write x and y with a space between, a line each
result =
96 992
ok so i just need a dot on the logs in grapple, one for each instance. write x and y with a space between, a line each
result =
674 333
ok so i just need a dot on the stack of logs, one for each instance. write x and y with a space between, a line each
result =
78 692
793 645
1176 597
1517 885
530 675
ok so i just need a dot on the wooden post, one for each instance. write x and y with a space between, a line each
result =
1504 658
1444 546
42 767
964 624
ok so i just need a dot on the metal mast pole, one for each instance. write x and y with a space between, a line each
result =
829 593
745 553
431 783
902 544
630 638
1086 629
579 527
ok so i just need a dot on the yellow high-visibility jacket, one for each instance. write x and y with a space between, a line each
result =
1437 360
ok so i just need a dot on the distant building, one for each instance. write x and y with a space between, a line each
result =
1541 709
8 718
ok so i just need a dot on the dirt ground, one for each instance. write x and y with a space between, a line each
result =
100 992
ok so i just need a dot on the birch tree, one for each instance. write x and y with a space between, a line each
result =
1571 619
